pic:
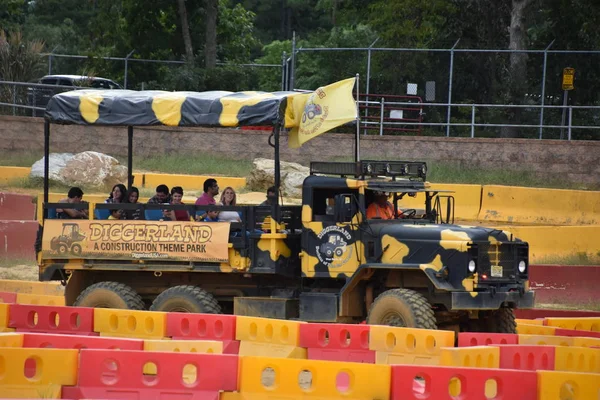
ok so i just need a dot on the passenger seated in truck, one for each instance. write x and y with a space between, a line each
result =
211 190
177 215
162 195
133 196
74 196
117 195
115 214
381 208
229 198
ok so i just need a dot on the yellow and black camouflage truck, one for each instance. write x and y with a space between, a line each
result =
327 260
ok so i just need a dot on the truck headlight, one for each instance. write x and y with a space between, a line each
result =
472 266
522 266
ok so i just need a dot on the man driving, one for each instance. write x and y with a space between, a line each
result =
381 208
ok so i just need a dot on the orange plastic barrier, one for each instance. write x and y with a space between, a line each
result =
11 340
40 299
541 340
578 324
337 342
36 373
530 358
130 323
42 340
181 326
446 383
120 374
269 337
558 385
263 378
466 339
185 346
577 359
408 345
476 356
523 329
52 319
4 320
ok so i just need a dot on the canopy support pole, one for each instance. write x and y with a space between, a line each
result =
129 157
275 209
46 164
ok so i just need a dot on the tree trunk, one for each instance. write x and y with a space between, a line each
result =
210 48
517 72
185 29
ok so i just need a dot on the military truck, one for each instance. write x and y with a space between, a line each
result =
321 261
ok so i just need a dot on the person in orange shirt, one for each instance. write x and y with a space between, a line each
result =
381 208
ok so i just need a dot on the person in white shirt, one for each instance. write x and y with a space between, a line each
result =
229 198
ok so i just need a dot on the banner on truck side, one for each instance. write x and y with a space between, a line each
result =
143 240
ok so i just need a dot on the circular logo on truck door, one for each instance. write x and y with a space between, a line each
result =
333 249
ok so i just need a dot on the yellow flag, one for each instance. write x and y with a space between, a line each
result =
320 111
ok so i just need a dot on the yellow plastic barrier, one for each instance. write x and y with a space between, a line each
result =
476 356
557 241
558 385
36 373
578 324
263 378
8 174
11 340
4 309
529 321
40 299
539 206
586 342
577 359
32 287
408 345
545 340
269 337
535 330
130 323
184 346
190 182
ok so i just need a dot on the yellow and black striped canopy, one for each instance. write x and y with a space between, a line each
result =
143 108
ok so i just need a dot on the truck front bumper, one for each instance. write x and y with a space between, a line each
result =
491 301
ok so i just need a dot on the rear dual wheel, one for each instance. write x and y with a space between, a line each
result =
402 308
110 295
187 299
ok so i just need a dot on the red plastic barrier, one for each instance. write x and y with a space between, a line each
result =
41 340
52 319
183 326
337 342
529 358
573 332
19 207
147 375
6 297
18 239
468 339
510 384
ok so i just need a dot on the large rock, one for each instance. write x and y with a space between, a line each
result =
93 169
263 176
57 162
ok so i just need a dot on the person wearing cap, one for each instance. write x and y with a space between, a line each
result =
381 208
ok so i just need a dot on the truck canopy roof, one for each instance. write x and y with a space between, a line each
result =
146 108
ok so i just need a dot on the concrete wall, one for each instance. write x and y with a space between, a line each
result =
574 160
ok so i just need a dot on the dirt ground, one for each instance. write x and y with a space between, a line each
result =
24 272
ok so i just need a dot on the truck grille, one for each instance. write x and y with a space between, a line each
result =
496 257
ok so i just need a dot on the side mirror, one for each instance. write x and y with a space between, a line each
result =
345 207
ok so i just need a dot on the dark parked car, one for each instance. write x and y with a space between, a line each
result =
39 96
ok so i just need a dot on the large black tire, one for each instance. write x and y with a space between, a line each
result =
186 298
402 307
110 295
501 321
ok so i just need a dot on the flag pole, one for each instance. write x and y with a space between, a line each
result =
357 138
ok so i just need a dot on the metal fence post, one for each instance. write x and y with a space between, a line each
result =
126 59
293 66
543 100
367 89
381 116
473 121
14 99
570 122
50 57
283 58
450 87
